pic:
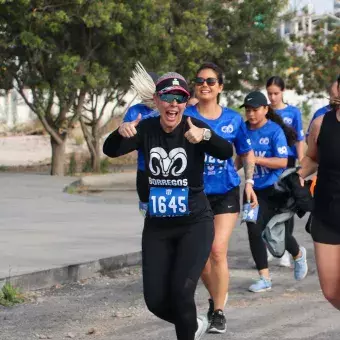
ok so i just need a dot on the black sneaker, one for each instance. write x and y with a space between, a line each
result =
218 322
211 310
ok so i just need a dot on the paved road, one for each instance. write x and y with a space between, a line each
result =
42 227
114 307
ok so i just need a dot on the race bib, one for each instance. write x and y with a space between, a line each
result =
143 208
249 214
168 202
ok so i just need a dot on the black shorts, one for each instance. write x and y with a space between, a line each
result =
227 203
291 162
324 233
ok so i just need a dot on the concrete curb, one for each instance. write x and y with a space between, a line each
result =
72 273
124 181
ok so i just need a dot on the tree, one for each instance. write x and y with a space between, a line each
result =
36 49
141 37
187 29
318 67
246 43
81 51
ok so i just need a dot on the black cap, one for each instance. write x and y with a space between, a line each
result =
255 99
172 81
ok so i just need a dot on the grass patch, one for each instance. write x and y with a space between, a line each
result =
105 166
72 167
10 295
71 190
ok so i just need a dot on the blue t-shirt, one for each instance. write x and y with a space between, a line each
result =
220 176
318 113
291 116
131 115
268 141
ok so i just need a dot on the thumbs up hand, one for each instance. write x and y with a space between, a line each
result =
195 134
128 129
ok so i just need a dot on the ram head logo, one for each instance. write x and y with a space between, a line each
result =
162 162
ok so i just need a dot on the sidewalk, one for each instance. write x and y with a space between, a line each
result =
42 227
62 237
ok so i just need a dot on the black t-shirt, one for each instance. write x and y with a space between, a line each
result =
171 161
327 190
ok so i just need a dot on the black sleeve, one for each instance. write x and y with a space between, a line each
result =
115 145
217 146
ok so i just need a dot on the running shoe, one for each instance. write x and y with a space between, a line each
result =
202 326
285 260
218 322
261 285
300 265
210 310
270 257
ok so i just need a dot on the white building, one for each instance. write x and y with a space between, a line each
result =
318 6
337 7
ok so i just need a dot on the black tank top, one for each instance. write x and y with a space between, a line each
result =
327 190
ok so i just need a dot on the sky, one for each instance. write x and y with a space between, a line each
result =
320 6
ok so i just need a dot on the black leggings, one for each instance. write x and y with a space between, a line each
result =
267 209
173 259
290 223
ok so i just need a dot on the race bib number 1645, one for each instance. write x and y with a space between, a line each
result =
168 202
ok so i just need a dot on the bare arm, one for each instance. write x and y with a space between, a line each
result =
333 91
300 150
272 162
248 161
309 163
238 163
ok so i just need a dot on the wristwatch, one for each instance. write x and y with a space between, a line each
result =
206 134
250 181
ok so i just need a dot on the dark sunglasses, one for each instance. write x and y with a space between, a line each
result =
170 97
199 81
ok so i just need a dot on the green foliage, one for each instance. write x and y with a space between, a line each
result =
105 166
240 45
71 189
306 109
10 296
65 51
87 166
72 167
259 21
319 65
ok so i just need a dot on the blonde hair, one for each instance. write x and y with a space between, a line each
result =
143 84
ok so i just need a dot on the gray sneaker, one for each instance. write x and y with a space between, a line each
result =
202 326
300 265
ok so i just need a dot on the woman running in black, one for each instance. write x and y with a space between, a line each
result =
179 229
323 155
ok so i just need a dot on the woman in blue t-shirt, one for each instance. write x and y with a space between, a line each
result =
221 184
292 117
268 135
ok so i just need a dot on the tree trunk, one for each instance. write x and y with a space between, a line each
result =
95 156
58 157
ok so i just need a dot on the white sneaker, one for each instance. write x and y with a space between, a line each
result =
270 257
285 260
203 325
